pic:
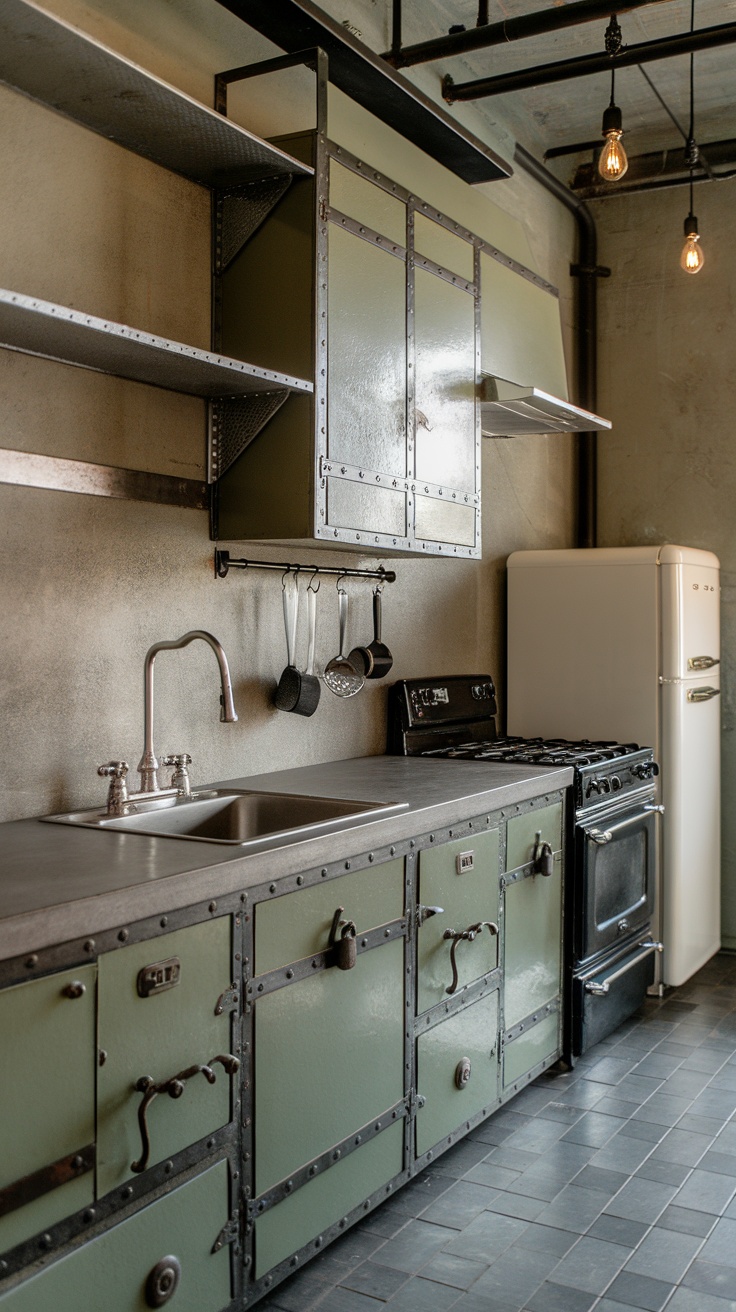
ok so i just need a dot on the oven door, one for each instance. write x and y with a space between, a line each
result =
614 877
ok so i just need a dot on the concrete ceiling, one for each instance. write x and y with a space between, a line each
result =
544 117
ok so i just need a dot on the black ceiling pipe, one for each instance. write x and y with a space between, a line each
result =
584 65
586 342
510 29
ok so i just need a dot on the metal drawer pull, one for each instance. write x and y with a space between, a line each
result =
343 943
174 1086
600 990
703 694
702 662
163 1281
468 935
425 913
600 836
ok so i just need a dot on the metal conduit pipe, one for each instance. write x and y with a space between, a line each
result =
513 28
708 38
586 341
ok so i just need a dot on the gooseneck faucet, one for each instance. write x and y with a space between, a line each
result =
148 765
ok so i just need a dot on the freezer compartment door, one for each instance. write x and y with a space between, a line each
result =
691 637
691 830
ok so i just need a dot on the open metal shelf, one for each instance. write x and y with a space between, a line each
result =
55 63
41 328
373 83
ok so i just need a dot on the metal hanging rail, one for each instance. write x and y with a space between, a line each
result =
224 562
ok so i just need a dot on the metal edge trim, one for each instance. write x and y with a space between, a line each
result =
58 474
394 482
371 235
323 1161
534 1018
260 986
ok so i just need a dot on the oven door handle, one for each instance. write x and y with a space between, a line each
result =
599 836
601 989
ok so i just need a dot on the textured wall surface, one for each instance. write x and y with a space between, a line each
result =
668 381
87 584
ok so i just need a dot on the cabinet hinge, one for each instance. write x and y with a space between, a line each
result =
229 1000
228 1234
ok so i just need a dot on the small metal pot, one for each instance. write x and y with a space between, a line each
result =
375 660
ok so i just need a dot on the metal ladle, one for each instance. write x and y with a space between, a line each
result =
340 675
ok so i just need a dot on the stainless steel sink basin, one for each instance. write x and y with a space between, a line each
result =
234 816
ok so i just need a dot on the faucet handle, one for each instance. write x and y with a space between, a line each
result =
114 769
180 778
117 793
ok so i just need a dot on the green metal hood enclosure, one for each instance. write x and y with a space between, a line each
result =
510 410
364 76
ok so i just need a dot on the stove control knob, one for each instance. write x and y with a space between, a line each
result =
616 783
593 787
604 785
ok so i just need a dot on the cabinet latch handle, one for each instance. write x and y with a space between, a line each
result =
343 942
467 935
174 1086
544 861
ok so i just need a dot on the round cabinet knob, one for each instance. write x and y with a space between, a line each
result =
462 1073
162 1281
75 989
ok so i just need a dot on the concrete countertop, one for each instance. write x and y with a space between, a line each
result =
58 882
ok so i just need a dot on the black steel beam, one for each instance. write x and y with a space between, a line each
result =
661 168
509 29
584 65
364 76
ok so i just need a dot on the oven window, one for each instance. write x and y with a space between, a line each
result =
615 875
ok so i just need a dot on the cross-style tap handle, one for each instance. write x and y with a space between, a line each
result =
180 778
114 770
117 793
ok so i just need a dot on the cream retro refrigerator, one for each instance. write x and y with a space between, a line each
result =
623 643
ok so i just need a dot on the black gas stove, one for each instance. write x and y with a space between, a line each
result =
611 837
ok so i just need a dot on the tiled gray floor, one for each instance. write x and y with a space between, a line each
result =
605 1188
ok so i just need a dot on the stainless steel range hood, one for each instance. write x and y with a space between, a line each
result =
511 410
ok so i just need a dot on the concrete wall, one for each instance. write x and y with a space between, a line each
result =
87 584
668 381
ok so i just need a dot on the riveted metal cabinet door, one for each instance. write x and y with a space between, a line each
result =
366 398
457 1071
535 1048
322 1202
524 832
296 925
532 943
447 449
159 1035
462 878
47 1108
329 1058
112 1272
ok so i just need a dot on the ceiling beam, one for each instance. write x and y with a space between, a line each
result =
584 65
509 29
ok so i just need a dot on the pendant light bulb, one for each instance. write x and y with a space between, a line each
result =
612 162
692 258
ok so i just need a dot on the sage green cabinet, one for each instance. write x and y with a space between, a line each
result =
47 1101
116 1270
329 1047
461 878
303 1216
159 1035
457 1071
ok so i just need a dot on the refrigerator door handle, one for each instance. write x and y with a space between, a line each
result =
702 694
602 988
702 662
